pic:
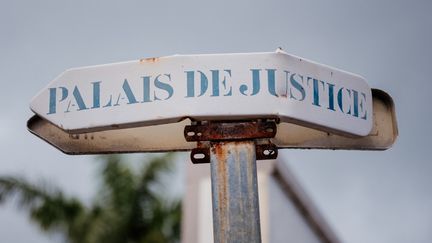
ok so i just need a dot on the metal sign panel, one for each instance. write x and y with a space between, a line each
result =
169 89
169 137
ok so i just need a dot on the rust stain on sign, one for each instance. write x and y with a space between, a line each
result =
149 60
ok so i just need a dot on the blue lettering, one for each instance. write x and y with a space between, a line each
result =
129 94
163 86
146 89
255 83
298 86
52 106
271 81
96 94
331 96
362 105
315 85
190 75
355 103
340 100
79 100
216 81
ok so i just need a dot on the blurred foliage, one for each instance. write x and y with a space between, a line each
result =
127 209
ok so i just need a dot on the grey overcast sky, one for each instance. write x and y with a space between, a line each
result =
366 196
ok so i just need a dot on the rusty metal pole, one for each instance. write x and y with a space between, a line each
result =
232 148
234 192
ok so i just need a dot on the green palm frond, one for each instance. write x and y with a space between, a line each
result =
126 210
48 207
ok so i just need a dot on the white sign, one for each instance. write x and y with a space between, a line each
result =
205 87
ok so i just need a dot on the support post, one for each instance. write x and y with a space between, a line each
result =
232 148
234 192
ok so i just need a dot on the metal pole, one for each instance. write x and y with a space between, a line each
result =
235 192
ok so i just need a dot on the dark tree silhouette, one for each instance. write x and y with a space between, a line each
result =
127 209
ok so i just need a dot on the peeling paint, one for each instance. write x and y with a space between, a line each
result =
149 60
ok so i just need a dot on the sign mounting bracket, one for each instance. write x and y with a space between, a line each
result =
208 132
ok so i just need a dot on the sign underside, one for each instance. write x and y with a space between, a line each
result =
170 137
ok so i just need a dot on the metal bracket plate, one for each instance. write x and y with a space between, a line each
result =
263 152
231 131
226 131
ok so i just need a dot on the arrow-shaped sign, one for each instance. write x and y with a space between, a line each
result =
207 87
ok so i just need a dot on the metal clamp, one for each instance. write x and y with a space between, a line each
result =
231 131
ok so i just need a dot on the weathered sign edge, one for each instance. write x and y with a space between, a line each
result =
376 93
